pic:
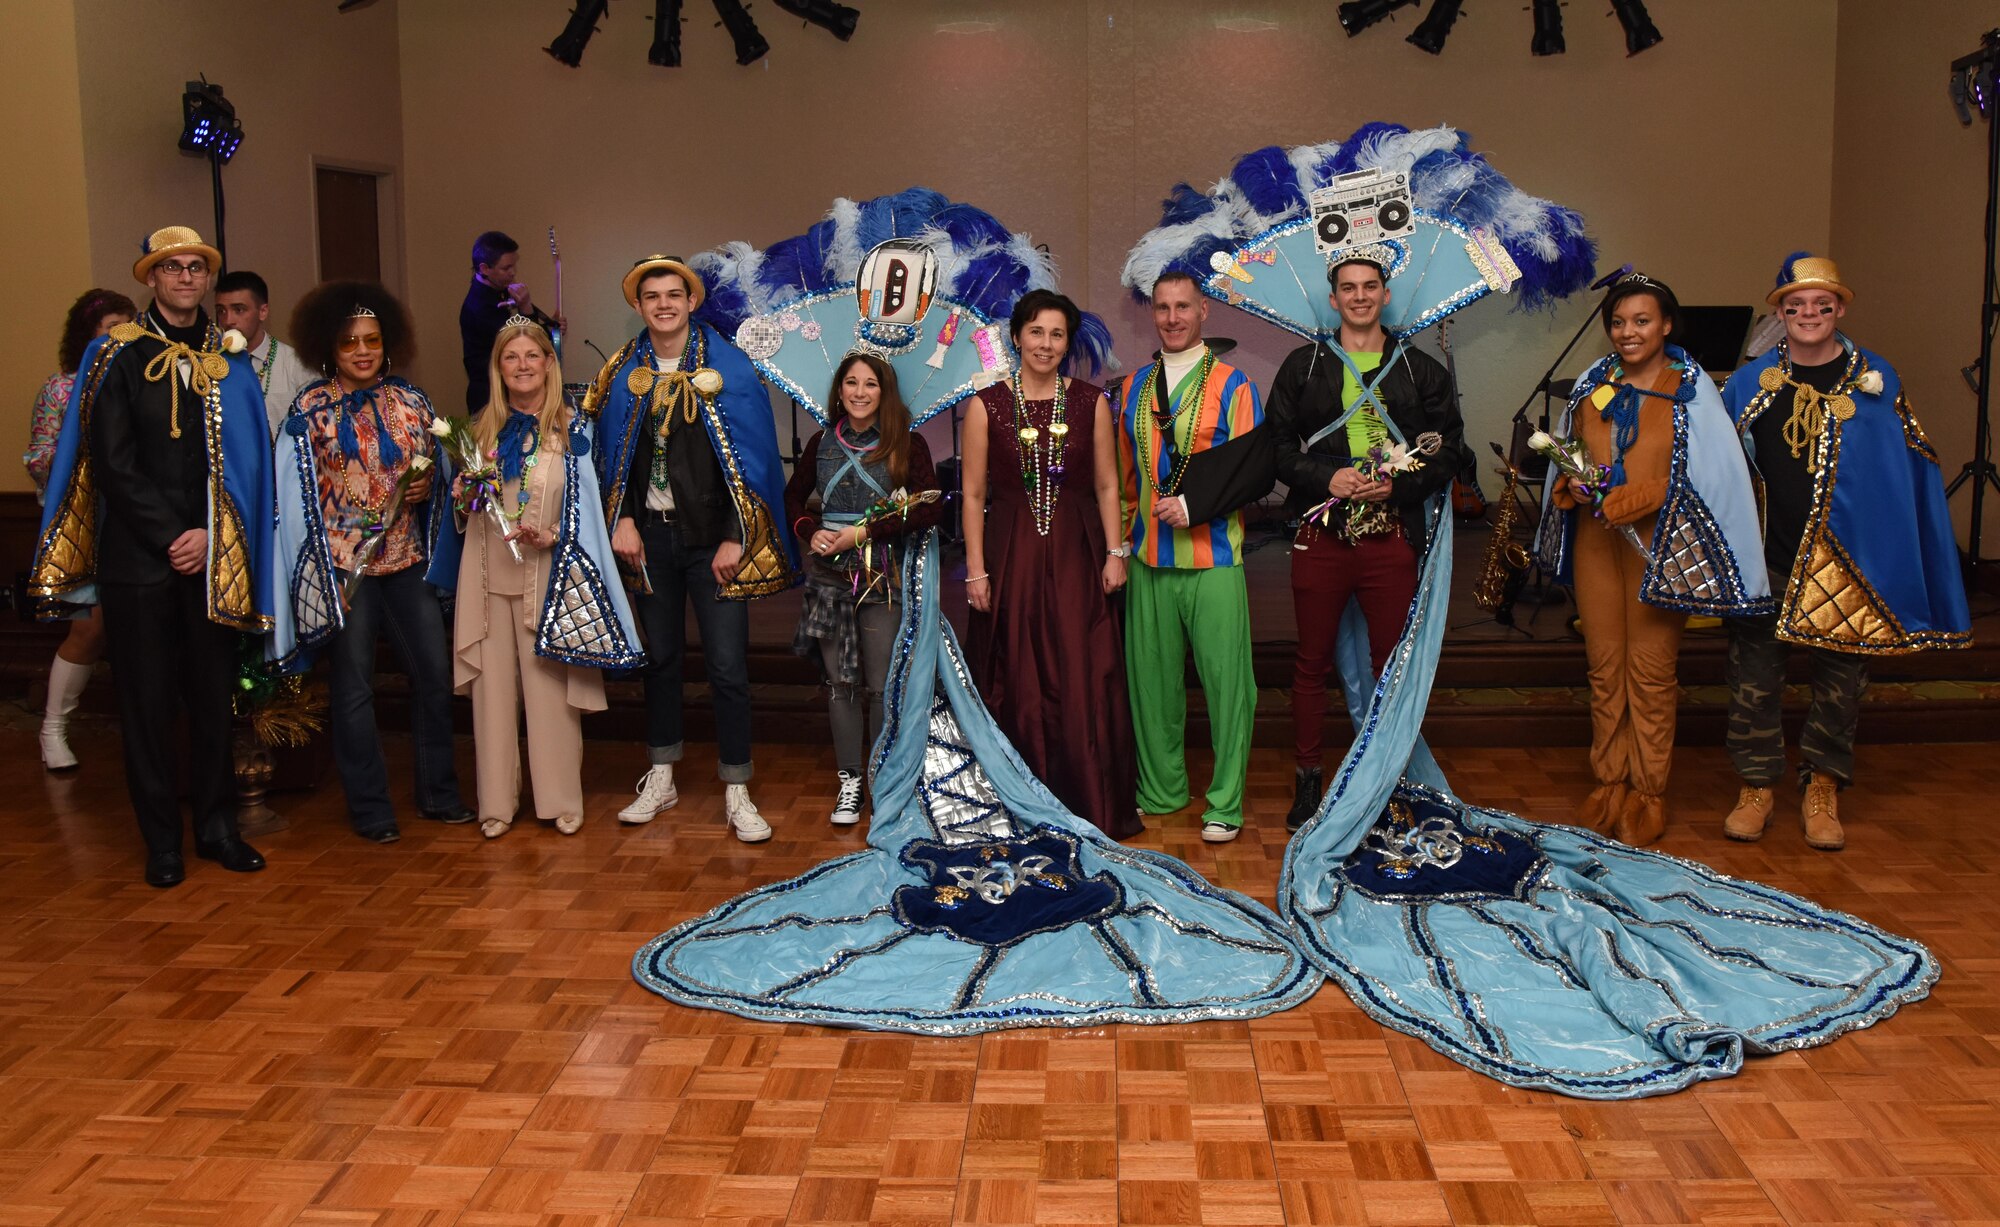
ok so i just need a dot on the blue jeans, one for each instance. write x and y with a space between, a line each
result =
408 608
680 576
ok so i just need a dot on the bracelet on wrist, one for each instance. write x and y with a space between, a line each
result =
973 579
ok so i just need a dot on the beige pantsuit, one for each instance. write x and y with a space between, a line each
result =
499 610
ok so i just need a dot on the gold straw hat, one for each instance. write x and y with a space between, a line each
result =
664 264
172 240
1802 271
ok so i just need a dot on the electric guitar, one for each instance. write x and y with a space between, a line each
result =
555 330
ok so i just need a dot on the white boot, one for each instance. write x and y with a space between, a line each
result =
656 793
66 682
847 806
748 824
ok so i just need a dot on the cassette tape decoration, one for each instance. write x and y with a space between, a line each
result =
920 281
1448 228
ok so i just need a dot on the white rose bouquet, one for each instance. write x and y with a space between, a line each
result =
478 476
375 527
1570 458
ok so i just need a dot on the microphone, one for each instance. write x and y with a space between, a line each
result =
1610 278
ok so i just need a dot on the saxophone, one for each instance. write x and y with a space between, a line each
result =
1505 558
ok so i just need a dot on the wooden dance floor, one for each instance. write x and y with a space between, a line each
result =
446 1031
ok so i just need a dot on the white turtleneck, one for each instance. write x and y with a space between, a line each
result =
1178 365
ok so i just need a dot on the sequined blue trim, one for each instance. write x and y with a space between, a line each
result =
578 605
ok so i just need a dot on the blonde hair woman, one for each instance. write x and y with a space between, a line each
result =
537 619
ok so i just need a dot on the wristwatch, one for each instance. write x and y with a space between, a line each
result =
1121 550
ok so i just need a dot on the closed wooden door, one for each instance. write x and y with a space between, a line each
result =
350 231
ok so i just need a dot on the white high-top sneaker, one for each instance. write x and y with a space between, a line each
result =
847 806
748 824
656 793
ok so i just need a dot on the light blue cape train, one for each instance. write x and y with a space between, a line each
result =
980 902
1546 956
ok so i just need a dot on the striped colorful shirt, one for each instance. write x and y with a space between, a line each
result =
1226 406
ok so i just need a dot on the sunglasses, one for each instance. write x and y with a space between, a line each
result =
372 341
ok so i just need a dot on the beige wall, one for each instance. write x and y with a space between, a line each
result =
43 203
1700 160
1898 146
1071 121
310 85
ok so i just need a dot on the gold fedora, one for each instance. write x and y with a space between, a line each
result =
172 240
1804 272
664 264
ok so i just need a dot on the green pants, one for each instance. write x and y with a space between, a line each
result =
1167 610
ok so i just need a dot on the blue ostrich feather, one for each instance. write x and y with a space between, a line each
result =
1786 273
984 265
1271 185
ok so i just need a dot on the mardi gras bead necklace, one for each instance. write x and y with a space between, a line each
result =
1148 420
1042 454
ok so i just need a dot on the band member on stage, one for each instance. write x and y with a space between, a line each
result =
851 502
1857 537
158 506
1044 551
1337 415
687 458
1656 535
1190 458
495 295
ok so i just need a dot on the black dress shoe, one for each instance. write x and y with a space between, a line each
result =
381 835
232 854
455 816
1305 798
165 869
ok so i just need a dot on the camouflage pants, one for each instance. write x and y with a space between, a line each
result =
1756 672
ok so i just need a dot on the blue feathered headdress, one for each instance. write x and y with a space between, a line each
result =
983 269
1268 189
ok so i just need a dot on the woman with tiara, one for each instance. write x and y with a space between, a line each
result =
1664 524
540 613
358 534
1044 552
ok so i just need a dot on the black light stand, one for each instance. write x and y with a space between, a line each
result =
210 128
1976 74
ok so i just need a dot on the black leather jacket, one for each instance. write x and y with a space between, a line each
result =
1305 396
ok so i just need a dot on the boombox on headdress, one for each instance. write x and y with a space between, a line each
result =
922 282
1446 228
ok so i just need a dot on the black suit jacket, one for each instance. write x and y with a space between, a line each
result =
1305 396
154 486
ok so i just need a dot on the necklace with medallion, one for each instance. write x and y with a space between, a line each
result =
1042 453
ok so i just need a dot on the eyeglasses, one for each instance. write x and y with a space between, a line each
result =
371 341
194 268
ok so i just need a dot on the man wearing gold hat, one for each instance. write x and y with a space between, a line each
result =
159 506
1857 538
687 459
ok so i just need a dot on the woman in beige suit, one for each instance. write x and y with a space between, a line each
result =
540 613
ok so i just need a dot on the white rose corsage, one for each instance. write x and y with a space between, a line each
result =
234 342
1870 382
707 381
440 428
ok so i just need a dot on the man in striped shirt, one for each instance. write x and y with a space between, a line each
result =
1189 457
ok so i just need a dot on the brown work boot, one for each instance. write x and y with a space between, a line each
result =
1753 810
1642 819
1822 814
1599 811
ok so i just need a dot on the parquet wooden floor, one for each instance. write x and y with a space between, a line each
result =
446 1031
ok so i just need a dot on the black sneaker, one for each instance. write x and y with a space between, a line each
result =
1305 801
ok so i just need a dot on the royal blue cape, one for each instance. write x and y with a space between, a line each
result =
745 436
980 902
63 575
1547 956
1877 572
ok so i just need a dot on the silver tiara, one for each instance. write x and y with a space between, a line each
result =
361 313
517 320
1381 255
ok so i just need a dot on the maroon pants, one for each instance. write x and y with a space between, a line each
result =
1380 572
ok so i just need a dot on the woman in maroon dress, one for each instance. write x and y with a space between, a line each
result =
1041 517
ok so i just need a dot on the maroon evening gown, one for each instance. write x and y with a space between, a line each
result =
1049 660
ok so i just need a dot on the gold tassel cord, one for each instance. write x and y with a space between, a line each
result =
205 367
1810 410
667 393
